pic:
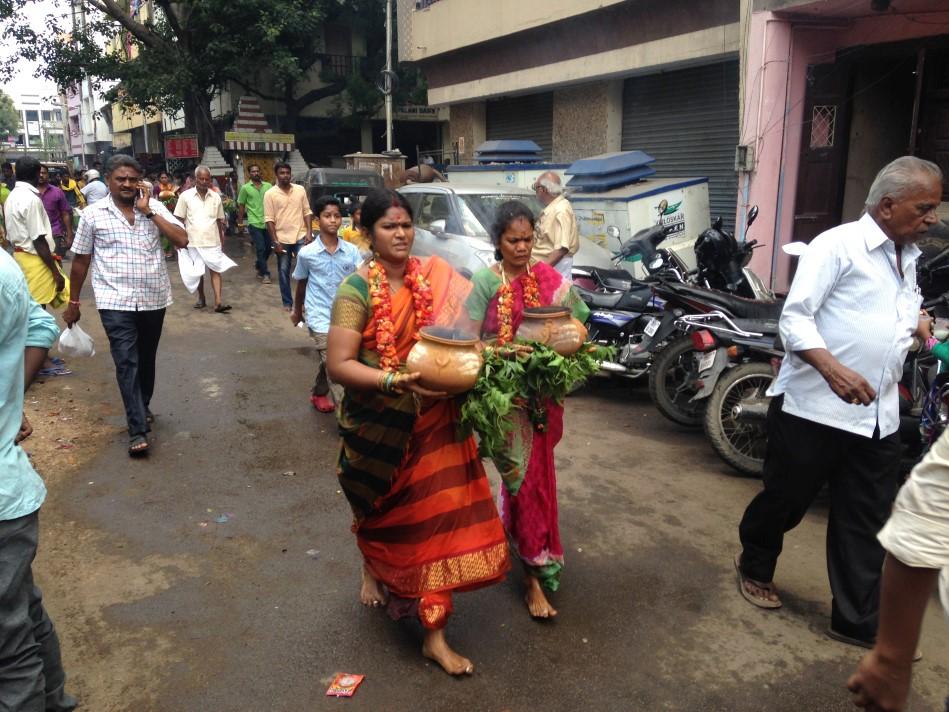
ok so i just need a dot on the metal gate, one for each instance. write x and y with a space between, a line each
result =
523 117
687 120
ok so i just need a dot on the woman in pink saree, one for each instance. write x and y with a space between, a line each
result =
528 497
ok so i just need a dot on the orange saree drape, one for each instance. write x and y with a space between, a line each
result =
429 526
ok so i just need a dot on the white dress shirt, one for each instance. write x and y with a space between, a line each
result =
918 530
201 215
848 297
26 218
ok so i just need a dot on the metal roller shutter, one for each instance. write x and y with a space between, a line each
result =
688 120
523 117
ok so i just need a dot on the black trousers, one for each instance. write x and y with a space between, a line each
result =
31 671
863 474
133 339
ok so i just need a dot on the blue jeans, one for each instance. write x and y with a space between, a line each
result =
133 338
261 241
285 268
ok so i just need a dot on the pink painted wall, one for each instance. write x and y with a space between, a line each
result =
777 56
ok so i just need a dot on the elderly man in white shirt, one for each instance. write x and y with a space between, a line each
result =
556 234
202 211
916 539
847 325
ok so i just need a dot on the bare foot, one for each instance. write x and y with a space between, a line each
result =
371 594
435 647
537 602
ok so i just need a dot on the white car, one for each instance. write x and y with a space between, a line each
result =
455 222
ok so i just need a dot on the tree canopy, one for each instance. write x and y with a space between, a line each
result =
9 116
176 58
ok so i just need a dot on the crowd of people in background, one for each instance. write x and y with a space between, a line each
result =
363 297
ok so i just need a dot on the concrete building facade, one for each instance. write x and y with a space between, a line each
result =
832 91
584 77
42 129
88 130
791 105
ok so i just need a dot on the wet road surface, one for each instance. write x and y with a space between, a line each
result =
220 573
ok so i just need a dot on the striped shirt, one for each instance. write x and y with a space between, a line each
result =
848 297
128 265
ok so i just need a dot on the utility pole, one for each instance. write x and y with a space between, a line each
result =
389 77
77 5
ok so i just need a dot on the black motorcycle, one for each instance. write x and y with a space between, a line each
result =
737 360
735 363
630 313
673 378
622 308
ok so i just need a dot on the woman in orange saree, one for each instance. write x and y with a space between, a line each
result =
424 517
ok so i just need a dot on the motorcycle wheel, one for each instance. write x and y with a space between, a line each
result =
741 444
672 369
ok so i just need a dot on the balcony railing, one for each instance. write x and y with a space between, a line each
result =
340 65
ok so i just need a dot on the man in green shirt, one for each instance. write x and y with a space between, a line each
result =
4 194
250 201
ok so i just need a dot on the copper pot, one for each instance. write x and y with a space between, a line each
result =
448 359
554 327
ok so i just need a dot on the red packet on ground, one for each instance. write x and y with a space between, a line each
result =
344 685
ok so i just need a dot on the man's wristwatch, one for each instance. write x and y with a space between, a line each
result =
149 215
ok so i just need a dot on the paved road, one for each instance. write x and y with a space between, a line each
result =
162 607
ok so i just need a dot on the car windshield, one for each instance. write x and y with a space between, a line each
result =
478 210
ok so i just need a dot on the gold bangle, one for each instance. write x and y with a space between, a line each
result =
395 386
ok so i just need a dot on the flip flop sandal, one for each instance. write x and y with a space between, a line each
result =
138 446
55 371
200 305
223 308
841 638
754 600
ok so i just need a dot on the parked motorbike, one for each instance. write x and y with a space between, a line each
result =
735 363
740 368
673 378
622 308
629 313
723 261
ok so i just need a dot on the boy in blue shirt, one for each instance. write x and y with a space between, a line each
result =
320 268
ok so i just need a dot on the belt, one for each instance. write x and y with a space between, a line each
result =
20 249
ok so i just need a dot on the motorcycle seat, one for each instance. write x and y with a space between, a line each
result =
740 307
613 278
760 326
603 300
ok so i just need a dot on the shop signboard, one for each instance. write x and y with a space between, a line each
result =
182 146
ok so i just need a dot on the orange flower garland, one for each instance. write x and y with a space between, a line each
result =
380 298
506 303
421 295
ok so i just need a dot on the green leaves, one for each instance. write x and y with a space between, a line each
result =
526 380
9 117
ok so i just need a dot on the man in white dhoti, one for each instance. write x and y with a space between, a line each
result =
202 212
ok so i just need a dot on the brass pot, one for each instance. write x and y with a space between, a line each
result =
448 359
554 327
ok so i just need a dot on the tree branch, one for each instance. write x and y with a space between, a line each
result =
319 93
252 90
170 15
137 29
